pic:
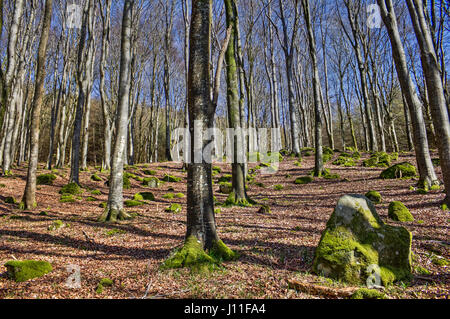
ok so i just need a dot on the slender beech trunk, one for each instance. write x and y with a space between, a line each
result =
433 80
114 210
426 169
29 196
318 167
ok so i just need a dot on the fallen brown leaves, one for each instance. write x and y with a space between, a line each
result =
274 247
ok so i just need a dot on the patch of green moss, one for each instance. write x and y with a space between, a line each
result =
225 187
152 182
397 211
225 178
144 196
104 282
264 209
345 160
174 208
96 178
421 271
401 170
23 270
365 293
190 255
96 192
220 252
91 199
233 201
67 198
10 200
440 261
149 172
45 179
436 162
171 178
71 188
169 196
132 203
278 187
57 224
374 196
179 195
378 159
103 205
304 180
115 231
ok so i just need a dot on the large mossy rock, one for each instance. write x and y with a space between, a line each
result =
402 170
356 241
23 270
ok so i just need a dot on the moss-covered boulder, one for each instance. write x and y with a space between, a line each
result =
174 208
23 270
132 203
401 170
397 211
71 188
357 246
152 182
104 282
144 196
304 180
374 196
378 159
45 179
96 178
171 178
225 187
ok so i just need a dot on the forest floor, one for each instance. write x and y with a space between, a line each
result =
273 248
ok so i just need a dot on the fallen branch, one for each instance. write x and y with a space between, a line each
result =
321 290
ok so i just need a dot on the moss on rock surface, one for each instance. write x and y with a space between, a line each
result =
304 180
45 179
144 196
365 293
356 238
374 196
152 182
397 211
171 179
71 188
401 170
174 208
23 270
225 187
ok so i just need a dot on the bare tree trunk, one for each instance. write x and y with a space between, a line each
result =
426 169
29 196
433 81
318 168
114 210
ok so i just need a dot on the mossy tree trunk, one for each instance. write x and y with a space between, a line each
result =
201 234
115 210
234 114
29 196
425 166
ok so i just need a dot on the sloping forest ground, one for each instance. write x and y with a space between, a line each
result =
273 247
